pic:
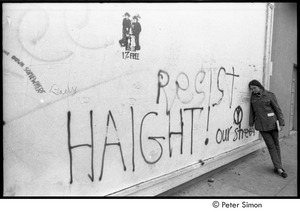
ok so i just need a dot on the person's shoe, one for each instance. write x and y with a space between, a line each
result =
283 174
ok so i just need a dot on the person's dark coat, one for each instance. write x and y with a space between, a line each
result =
136 29
125 32
126 27
264 111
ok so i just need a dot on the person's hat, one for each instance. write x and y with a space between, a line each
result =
127 14
137 16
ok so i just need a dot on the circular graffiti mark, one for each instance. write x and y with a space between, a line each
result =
87 28
35 38
238 115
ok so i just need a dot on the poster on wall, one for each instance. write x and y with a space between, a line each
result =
131 29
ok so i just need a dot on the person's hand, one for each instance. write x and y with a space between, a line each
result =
281 127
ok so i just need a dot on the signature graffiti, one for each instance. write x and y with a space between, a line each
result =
32 77
57 91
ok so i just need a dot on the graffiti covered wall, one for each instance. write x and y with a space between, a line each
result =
102 97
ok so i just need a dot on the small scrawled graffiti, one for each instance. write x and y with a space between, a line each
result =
131 29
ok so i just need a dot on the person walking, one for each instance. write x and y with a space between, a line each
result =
266 116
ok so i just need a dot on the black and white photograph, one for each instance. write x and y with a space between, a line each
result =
167 100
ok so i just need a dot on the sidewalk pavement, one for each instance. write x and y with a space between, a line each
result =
249 176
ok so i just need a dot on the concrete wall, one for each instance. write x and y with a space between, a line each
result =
284 56
82 116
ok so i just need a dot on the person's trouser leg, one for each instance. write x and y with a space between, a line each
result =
275 137
137 42
273 149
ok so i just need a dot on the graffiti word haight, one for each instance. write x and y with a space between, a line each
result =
118 144
147 120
